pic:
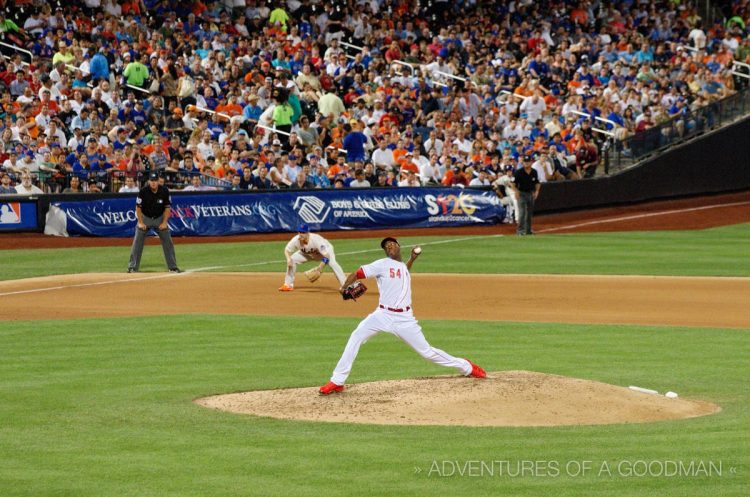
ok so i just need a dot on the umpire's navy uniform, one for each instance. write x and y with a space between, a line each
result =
527 185
153 200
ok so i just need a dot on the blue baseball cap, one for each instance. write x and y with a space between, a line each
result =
303 228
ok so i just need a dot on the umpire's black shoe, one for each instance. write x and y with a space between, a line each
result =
175 270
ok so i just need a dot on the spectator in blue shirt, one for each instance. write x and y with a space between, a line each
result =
99 66
354 143
539 130
81 121
318 175
616 116
252 110
138 115
645 54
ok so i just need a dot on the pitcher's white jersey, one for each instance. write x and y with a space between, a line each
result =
394 282
316 244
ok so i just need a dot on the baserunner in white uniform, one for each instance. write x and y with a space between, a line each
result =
393 315
304 247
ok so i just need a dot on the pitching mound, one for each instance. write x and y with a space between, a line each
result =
509 398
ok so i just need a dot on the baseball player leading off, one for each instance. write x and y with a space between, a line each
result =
304 247
393 315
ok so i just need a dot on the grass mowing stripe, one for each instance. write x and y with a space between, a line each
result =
353 252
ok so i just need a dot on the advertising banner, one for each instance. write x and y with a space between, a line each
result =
324 210
18 216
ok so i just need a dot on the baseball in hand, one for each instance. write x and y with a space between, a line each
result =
417 250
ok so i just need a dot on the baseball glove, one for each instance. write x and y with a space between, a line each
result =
313 274
354 291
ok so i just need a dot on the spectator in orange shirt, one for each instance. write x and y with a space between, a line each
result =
223 169
230 108
399 152
523 89
339 168
579 15
407 164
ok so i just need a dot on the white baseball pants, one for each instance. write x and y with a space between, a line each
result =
404 326
300 257
511 203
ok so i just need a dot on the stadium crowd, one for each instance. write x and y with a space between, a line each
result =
308 94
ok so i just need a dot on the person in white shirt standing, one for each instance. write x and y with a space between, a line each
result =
304 247
393 315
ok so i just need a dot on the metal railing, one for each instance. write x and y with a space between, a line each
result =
75 68
689 124
511 94
272 129
112 181
450 76
19 49
23 62
353 47
138 88
275 130
597 118
402 63
738 67
688 47
209 111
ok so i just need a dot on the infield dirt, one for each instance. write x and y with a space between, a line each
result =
644 300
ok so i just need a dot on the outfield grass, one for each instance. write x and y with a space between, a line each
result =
103 408
713 252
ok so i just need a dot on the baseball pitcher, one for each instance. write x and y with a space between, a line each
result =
393 315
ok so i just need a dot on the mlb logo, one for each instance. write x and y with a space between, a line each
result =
10 213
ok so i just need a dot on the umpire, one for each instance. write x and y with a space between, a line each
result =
152 208
526 187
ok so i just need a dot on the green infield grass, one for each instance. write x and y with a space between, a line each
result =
713 252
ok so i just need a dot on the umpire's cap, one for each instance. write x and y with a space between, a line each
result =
388 239
303 228
153 176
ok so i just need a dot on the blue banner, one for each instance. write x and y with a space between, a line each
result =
18 215
325 210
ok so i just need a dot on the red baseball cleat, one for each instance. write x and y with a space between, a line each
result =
330 388
477 371
286 288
